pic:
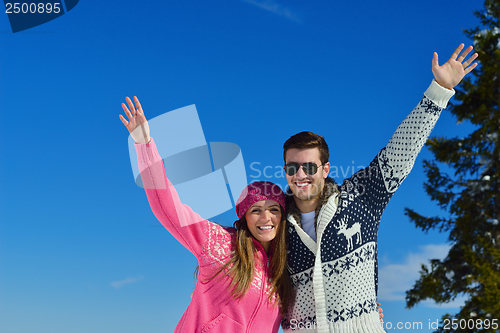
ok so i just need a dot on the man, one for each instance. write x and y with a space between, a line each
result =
333 229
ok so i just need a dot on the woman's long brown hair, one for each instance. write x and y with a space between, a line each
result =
241 266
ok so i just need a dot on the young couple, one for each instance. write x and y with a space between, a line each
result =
307 260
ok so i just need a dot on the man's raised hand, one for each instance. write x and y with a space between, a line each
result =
137 124
453 71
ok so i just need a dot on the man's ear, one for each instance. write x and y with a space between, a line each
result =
326 168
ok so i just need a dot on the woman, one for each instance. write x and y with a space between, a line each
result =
243 284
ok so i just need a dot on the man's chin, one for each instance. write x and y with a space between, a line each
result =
305 196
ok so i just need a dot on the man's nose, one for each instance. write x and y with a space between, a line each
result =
301 173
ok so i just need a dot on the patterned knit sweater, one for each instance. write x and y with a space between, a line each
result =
336 279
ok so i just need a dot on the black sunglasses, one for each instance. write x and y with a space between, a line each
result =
309 167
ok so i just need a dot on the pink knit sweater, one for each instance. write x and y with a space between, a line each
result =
212 308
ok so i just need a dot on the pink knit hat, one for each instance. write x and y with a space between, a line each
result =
257 191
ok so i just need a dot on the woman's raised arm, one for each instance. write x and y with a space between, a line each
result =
184 224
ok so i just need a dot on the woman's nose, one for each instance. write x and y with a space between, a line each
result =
266 215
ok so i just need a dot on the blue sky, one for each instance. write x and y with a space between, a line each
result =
81 251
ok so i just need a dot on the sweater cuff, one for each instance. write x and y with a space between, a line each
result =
147 154
439 94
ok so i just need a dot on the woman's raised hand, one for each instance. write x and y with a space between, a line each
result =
137 124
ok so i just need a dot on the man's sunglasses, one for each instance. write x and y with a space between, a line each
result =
309 167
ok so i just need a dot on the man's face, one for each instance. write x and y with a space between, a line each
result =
304 186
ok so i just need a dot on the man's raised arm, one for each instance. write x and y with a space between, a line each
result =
397 158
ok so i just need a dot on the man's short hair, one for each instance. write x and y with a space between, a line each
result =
306 140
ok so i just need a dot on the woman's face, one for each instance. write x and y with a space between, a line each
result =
263 219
